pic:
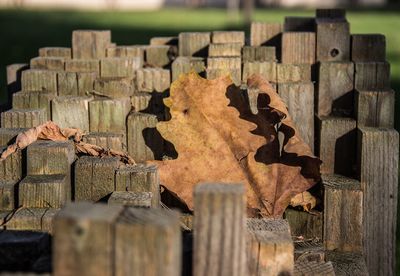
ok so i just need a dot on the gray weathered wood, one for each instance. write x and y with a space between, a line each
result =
126 51
225 50
106 140
298 47
228 37
336 139
48 63
313 268
235 74
148 242
378 162
152 79
347 263
143 101
11 167
39 80
266 69
265 34
71 112
343 210
194 44
368 47
62 52
14 72
219 229
183 65
333 39
309 250
109 115
258 53
50 157
44 191
94 177
159 55
269 247
304 224
299 99
83 65
88 44
372 75
114 87
299 24
133 199
335 89
8 135
375 108
119 67
292 72
83 242
144 141
67 84
7 195
23 118
33 100
139 178
221 66
86 82
33 219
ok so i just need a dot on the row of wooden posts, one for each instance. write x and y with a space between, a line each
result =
336 86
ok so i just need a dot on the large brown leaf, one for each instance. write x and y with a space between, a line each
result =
217 138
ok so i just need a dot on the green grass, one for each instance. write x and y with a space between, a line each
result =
22 32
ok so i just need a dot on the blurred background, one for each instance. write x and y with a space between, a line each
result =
27 25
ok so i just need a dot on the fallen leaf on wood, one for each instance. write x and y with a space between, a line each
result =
218 139
305 200
94 150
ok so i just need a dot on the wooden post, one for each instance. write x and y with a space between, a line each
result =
8 135
144 141
194 44
299 98
269 247
347 263
71 112
115 87
309 250
221 66
84 239
343 210
85 82
258 53
67 83
159 55
143 101
292 72
126 51
139 178
304 224
375 108
336 140
32 219
94 177
39 80
106 140
225 50
219 229
372 76
265 34
152 79
298 47
90 44
299 24
333 39
133 199
148 242
313 268
48 63
183 65
266 69
109 115
44 191
11 167
83 65
34 100
335 89
62 52
14 73
7 195
378 162
23 118
228 37
119 67
50 157
368 47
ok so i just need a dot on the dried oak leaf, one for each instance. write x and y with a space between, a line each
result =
217 138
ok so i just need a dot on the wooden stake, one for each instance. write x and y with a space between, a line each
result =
225 50
8 135
183 65
114 87
34 100
266 69
62 52
71 112
298 47
159 55
219 229
39 80
132 199
14 73
126 51
7 188
48 63
83 65
293 72
313 268
304 224
32 219
90 44
228 37
152 79
258 53
11 167
106 140
119 67
372 76
265 34
368 47
347 263
194 44
23 118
